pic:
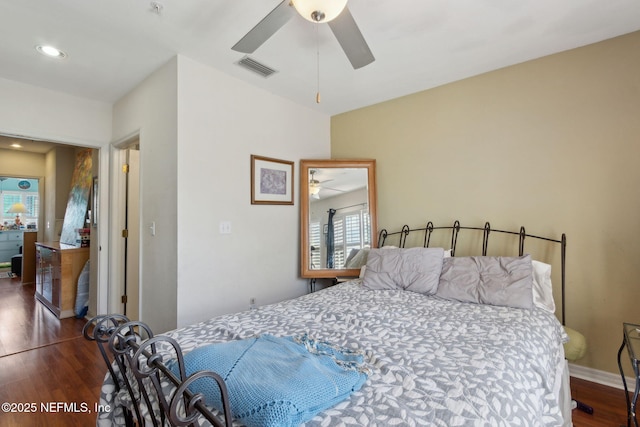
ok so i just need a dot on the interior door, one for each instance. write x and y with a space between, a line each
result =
132 239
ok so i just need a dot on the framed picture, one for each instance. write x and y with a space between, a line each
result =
271 181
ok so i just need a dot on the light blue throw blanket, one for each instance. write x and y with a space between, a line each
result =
275 381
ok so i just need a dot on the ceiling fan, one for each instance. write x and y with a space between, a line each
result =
333 12
315 186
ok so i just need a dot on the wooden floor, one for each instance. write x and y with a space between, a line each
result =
46 362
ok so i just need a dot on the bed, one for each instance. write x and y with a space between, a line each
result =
429 359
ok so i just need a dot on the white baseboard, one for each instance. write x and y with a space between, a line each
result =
601 377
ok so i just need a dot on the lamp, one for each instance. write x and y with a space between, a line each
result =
18 208
319 11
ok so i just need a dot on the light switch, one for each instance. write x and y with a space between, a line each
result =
225 227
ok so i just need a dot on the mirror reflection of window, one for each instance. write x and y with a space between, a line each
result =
336 245
352 232
314 240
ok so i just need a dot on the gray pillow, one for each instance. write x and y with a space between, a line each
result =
505 281
359 259
459 280
413 269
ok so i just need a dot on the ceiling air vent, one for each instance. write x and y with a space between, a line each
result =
253 65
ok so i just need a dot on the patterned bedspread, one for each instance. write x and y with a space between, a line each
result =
433 362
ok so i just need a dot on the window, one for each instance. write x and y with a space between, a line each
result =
314 242
8 200
339 242
351 231
19 190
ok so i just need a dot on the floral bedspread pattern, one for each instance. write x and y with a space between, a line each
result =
433 362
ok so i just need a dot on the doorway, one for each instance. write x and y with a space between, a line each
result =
124 291
51 164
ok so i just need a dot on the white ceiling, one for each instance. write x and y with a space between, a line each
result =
112 45
337 181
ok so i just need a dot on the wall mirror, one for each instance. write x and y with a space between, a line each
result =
338 218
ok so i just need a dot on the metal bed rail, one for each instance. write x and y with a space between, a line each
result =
429 228
136 364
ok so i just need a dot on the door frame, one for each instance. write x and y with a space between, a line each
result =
117 194
102 241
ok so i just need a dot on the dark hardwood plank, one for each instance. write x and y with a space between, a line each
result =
46 362
70 372
609 405
25 324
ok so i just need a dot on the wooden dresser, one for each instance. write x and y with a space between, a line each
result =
58 267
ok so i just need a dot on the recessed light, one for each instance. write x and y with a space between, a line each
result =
16 145
51 51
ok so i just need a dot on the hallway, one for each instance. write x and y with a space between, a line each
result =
44 362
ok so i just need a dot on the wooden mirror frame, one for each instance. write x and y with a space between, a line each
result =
305 166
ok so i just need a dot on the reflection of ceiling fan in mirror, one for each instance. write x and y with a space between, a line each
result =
333 12
315 186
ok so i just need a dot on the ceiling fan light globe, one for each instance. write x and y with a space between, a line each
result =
314 188
319 11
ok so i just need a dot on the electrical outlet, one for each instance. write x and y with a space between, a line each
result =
252 303
225 227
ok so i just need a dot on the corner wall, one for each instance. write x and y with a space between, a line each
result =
221 122
551 144
151 110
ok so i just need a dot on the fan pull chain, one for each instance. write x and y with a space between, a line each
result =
318 65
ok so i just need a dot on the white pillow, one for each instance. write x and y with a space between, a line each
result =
542 287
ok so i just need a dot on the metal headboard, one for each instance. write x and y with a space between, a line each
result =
486 231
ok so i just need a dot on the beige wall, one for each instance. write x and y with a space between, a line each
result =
551 144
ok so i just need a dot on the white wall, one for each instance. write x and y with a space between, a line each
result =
151 110
39 113
36 113
197 128
221 122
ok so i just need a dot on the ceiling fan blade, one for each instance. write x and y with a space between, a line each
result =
265 28
346 30
334 189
